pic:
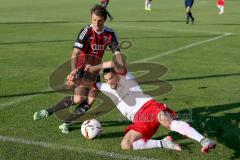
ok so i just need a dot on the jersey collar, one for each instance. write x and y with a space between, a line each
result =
99 31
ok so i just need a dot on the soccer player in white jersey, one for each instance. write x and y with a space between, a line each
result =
146 113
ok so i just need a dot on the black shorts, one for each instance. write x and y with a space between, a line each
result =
88 76
189 3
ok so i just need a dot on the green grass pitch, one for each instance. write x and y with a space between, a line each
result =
203 64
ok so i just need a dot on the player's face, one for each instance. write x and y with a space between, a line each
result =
97 22
112 79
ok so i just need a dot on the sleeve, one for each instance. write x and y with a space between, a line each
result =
81 39
98 85
114 45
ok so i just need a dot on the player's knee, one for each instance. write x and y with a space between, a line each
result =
77 99
165 123
126 145
165 119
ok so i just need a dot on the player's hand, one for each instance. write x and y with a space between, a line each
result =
71 78
89 68
72 75
69 84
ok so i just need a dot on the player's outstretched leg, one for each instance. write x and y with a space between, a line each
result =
167 120
207 145
66 102
185 129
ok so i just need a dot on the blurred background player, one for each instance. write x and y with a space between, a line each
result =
89 48
188 6
148 5
104 3
220 5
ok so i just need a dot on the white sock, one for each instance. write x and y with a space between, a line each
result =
222 9
141 144
149 4
185 129
146 3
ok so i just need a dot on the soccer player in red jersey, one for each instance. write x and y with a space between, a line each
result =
104 3
89 48
220 5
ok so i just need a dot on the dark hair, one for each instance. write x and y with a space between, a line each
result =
99 11
108 70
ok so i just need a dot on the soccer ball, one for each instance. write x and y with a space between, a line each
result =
91 128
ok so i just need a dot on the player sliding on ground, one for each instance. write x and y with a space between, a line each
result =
146 113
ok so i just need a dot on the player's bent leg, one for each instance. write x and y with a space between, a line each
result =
166 143
83 105
80 110
129 138
93 93
64 128
80 94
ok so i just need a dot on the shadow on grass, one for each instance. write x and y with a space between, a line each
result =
224 126
103 135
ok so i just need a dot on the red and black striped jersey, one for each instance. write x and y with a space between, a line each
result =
94 43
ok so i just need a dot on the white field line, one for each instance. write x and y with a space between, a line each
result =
19 100
182 48
166 29
22 99
71 148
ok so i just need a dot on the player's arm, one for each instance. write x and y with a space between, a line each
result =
118 63
78 45
74 57
72 74
118 60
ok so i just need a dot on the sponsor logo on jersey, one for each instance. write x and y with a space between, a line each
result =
105 38
97 47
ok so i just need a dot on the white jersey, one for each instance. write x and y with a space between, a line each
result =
128 97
